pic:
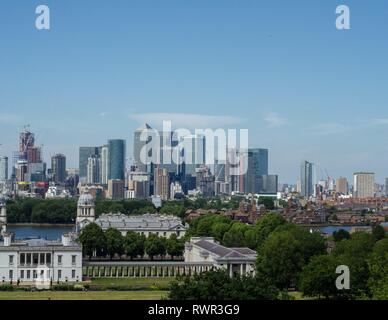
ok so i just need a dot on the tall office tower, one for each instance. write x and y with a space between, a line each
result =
205 181
21 169
254 165
58 168
161 183
268 184
386 187
138 184
364 184
104 164
93 170
193 152
34 155
84 154
341 185
306 179
3 168
26 142
116 189
145 147
116 159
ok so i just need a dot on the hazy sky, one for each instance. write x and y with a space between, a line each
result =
278 68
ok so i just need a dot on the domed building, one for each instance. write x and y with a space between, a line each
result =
85 210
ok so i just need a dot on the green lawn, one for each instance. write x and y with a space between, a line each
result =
132 282
79 295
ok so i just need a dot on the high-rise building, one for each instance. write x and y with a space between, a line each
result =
116 159
193 153
254 166
143 148
205 182
363 184
93 170
58 168
34 155
84 154
138 184
386 187
116 189
3 168
161 183
306 179
104 164
268 184
341 185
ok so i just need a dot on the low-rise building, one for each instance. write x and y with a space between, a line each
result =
237 261
40 262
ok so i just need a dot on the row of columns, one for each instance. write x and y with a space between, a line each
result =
143 271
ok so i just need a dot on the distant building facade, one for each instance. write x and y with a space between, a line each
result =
58 168
364 185
306 179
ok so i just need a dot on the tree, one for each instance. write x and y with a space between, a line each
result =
217 285
268 202
235 236
355 253
263 228
280 259
340 235
93 240
114 242
378 233
134 244
174 246
319 276
155 246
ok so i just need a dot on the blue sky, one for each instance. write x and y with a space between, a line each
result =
278 68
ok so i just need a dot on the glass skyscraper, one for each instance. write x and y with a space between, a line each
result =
116 161
84 154
306 179
58 168
257 161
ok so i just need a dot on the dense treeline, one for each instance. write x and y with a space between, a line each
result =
29 210
291 257
41 211
111 243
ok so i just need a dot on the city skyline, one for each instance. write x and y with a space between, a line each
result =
268 75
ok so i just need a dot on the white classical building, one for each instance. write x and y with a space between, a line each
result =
237 261
40 262
85 210
3 216
146 224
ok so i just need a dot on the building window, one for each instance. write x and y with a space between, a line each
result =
22 258
35 258
59 274
11 260
28 274
28 258
73 259
34 274
11 274
41 258
60 259
164 234
22 274
73 274
48 258
178 233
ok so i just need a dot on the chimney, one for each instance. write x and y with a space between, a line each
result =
66 240
7 239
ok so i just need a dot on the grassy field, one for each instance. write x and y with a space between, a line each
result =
77 295
132 282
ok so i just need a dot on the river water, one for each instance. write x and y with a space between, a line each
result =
45 232
55 232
